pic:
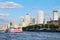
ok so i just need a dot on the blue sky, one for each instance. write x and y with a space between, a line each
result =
19 8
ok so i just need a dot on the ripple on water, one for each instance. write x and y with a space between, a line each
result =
30 36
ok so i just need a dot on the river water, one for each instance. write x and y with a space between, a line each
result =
30 36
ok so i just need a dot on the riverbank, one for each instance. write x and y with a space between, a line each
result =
42 30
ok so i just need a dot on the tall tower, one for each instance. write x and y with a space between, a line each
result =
32 20
55 15
21 20
40 17
27 19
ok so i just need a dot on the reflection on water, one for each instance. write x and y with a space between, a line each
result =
30 36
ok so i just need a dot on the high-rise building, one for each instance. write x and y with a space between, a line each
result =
32 20
21 20
40 17
27 19
55 15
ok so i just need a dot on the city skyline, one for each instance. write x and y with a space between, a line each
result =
12 10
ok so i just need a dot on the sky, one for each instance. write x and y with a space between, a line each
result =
12 10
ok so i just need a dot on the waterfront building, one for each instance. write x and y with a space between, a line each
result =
55 15
55 20
3 27
40 17
59 21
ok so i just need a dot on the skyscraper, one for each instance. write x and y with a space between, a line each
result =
27 19
21 20
55 15
40 17
32 20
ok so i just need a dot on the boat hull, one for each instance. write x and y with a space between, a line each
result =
16 30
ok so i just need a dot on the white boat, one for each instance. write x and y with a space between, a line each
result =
15 30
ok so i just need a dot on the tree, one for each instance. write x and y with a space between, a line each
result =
11 23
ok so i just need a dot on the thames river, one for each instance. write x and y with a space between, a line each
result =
30 36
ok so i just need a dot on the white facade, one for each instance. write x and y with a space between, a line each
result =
27 19
55 14
24 24
40 17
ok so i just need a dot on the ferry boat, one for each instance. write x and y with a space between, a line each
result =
15 30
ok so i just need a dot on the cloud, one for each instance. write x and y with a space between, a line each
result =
3 20
10 5
4 14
